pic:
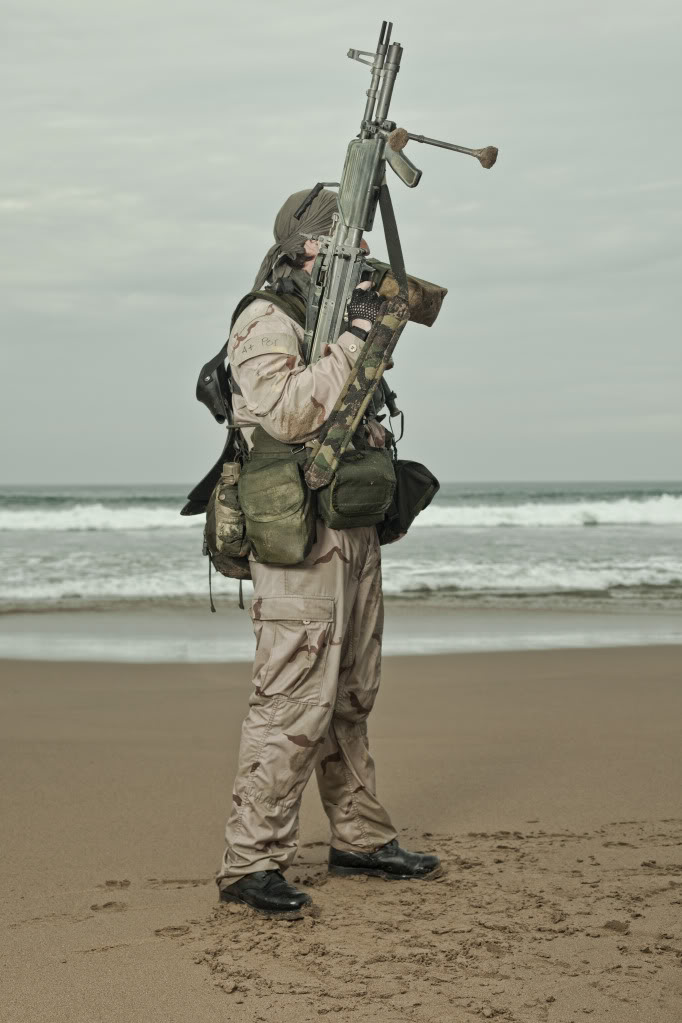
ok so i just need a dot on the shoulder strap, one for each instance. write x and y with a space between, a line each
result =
290 304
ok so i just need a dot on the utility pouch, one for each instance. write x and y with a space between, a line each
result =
225 538
415 489
279 509
361 490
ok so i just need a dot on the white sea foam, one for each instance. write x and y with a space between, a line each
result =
95 517
651 511
129 585
547 576
82 582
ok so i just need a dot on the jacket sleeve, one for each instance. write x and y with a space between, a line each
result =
290 399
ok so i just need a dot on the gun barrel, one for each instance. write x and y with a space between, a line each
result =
377 70
390 70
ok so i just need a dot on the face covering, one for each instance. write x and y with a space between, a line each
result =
288 233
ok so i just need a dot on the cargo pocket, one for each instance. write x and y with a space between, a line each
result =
292 642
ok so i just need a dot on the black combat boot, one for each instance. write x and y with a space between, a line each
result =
390 862
268 892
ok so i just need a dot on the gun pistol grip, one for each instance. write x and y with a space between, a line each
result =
404 168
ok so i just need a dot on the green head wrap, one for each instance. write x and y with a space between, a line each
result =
288 232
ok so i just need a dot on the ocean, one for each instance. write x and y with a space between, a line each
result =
542 545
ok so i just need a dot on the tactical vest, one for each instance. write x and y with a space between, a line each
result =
261 499
214 390
280 509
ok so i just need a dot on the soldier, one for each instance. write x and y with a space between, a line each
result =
318 624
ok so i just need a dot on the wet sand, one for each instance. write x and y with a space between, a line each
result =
168 632
550 783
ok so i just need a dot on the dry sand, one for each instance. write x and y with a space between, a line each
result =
549 782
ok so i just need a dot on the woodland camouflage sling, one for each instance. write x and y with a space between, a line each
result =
357 393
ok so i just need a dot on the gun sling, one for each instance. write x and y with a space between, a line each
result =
363 380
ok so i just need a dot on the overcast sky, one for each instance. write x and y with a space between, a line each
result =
147 146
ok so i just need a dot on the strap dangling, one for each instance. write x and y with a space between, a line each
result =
210 589
402 430
241 594
395 252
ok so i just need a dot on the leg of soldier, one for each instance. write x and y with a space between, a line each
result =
345 769
300 618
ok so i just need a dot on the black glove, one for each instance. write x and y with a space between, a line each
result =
364 305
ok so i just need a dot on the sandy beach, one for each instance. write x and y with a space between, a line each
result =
548 781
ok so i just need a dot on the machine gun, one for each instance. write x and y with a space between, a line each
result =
339 267
341 263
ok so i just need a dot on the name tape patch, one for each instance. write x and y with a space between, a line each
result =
267 344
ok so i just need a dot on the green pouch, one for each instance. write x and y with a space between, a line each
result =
415 489
279 509
360 492
225 539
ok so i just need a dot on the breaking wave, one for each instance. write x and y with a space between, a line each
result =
95 517
78 579
547 576
665 510
662 510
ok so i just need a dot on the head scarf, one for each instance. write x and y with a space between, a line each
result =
288 232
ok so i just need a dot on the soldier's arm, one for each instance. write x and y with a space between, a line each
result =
290 399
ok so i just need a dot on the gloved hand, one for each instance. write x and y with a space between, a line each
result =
364 306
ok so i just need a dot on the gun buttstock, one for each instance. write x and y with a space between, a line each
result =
403 167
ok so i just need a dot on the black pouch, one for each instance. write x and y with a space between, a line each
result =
415 489
361 491
279 509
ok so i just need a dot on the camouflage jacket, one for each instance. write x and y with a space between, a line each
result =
274 387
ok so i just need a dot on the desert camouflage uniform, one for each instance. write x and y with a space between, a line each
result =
318 628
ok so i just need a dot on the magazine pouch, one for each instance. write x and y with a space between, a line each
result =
279 509
361 490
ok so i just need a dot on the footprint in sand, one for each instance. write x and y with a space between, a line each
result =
125 883
172 932
177 882
109 907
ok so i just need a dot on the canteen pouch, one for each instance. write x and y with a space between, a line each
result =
361 491
225 538
415 489
279 509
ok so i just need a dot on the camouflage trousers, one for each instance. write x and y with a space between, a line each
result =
318 630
